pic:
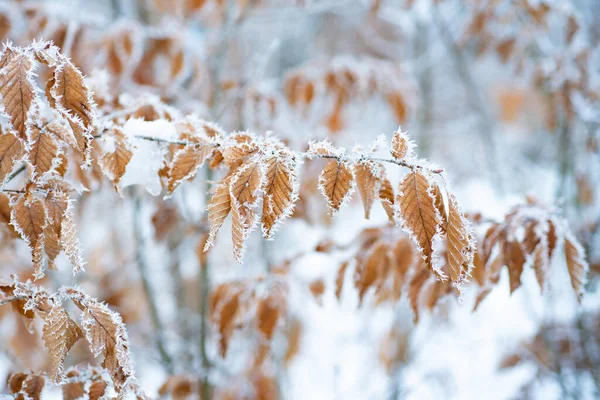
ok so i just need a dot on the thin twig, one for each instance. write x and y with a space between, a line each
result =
10 299
151 299
396 161
204 294
161 140
15 174
12 191
302 155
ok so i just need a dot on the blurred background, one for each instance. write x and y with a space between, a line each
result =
503 94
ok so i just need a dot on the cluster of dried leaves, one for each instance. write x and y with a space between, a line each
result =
40 137
492 29
387 264
102 328
256 305
529 236
344 80
422 205
386 261
47 133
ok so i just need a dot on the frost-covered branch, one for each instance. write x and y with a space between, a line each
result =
7 300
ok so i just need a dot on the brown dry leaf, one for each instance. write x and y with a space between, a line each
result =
366 181
29 217
178 387
491 238
317 288
483 293
44 153
505 49
552 239
31 387
280 194
63 165
478 271
15 381
226 318
403 256
515 260
72 99
11 151
164 220
186 162
414 291
18 306
57 204
97 390
339 279
370 271
267 316
17 92
244 147
398 106
495 266
400 145
294 335
460 249
61 132
218 209
264 387
242 220
243 189
5 214
336 182
435 291
440 206
387 198
60 334
106 335
418 213
576 264
531 239
216 160
73 390
70 242
114 163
